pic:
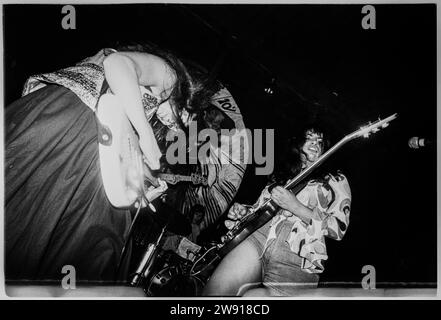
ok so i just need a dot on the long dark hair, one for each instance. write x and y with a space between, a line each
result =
192 90
290 163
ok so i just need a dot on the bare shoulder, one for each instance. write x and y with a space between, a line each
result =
152 70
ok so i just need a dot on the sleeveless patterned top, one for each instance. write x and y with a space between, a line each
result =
86 80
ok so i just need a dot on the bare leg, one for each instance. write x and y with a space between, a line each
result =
241 266
257 292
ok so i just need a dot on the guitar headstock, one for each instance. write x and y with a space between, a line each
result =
368 129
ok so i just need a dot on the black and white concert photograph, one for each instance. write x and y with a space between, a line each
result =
225 150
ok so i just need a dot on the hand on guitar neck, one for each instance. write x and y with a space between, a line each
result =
245 220
151 179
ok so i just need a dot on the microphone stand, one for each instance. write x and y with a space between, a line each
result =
147 261
129 235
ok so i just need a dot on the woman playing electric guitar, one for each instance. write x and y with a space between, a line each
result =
287 253
57 212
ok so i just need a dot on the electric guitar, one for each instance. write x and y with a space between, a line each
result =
150 179
259 215
194 178
124 173
121 160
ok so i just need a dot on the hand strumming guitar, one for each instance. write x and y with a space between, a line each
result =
153 192
237 211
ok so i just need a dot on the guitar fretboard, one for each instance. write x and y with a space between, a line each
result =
176 177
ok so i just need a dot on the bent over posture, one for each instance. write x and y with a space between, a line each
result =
56 209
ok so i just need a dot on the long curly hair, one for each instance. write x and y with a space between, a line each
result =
290 162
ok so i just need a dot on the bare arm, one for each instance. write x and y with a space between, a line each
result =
151 71
125 72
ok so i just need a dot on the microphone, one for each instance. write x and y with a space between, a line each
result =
418 142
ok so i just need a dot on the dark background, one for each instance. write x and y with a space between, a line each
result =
325 67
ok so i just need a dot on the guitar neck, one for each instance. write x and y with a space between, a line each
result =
261 214
362 132
175 177
302 175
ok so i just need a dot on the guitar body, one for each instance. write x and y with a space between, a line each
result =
125 175
247 226
262 214
120 155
